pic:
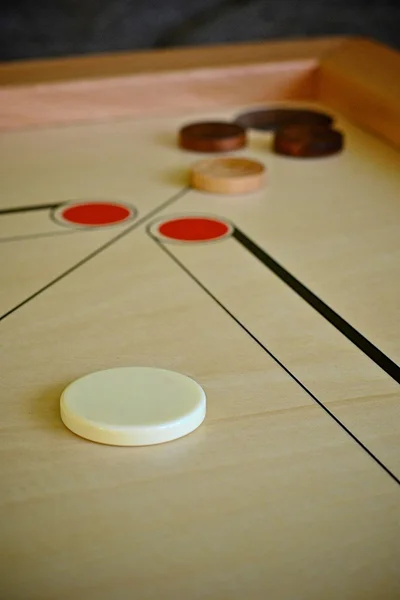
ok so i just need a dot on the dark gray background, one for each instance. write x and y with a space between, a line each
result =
32 29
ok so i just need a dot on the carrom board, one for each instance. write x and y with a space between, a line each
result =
290 321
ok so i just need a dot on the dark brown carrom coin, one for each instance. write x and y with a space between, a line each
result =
304 141
274 118
212 136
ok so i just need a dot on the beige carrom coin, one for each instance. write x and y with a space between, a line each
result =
133 406
228 175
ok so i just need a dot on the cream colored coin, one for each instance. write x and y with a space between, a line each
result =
133 406
228 175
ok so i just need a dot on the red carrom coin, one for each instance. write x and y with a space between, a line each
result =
212 136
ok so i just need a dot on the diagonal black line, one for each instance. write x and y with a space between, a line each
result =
379 358
20 209
46 234
274 358
32 236
98 251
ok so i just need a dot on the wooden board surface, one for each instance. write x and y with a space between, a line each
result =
290 487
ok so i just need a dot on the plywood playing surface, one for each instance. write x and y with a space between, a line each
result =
290 487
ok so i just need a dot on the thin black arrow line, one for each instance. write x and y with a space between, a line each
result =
362 343
46 234
276 359
96 252
21 209
33 236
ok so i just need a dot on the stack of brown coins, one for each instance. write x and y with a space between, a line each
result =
225 175
298 133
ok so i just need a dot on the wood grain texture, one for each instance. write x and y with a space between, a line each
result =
135 63
358 77
43 93
270 497
362 80
168 93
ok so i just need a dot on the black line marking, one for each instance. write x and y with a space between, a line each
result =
20 209
31 236
379 358
98 251
277 361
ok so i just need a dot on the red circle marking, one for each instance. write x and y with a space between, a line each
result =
193 229
94 214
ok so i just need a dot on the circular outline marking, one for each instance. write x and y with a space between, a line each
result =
152 228
90 409
56 214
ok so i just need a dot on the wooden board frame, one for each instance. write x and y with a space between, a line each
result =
357 77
